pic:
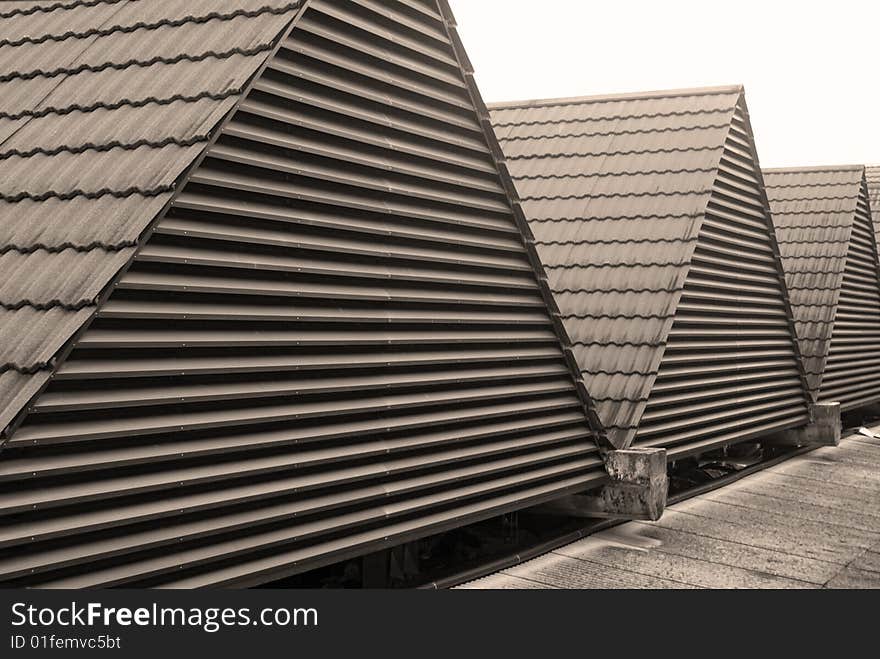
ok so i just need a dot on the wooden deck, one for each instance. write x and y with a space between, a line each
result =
810 522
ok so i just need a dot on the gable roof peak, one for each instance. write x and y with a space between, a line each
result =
625 96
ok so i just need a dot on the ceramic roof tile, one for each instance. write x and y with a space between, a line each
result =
103 106
615 189
872 175
813 212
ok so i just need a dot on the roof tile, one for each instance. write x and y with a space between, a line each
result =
813 212
615 189
103 105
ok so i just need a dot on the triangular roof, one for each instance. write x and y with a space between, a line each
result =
872 177
616 190
816 211
813 211
103 107
337 335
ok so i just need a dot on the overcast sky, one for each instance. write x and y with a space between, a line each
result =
808 67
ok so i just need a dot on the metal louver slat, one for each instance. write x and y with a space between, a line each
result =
852 377
714 384
335 339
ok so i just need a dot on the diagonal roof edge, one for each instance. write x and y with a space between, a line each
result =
774 245
624 96
835 298
815 168
18 416
622 434
467 71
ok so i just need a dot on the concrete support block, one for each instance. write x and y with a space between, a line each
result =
823 430
637 489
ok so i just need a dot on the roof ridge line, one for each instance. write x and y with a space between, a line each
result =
610 117
610 133
143 25
624 96
813 168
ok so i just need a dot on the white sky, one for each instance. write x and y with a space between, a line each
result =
808 67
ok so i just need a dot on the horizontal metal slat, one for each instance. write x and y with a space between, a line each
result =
337 242
386 50
330 266
453 293
343 13
255 521
379 227
358 153
72 431
126 513
198 310
213 175
545 417
467 507
79 367
378 179
180 393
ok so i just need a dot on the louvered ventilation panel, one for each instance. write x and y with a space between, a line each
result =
852 371
730 370
333 342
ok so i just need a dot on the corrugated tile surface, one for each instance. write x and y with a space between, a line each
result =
102 106
335 340
813 210
615 216
831 264
619 192
872 176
